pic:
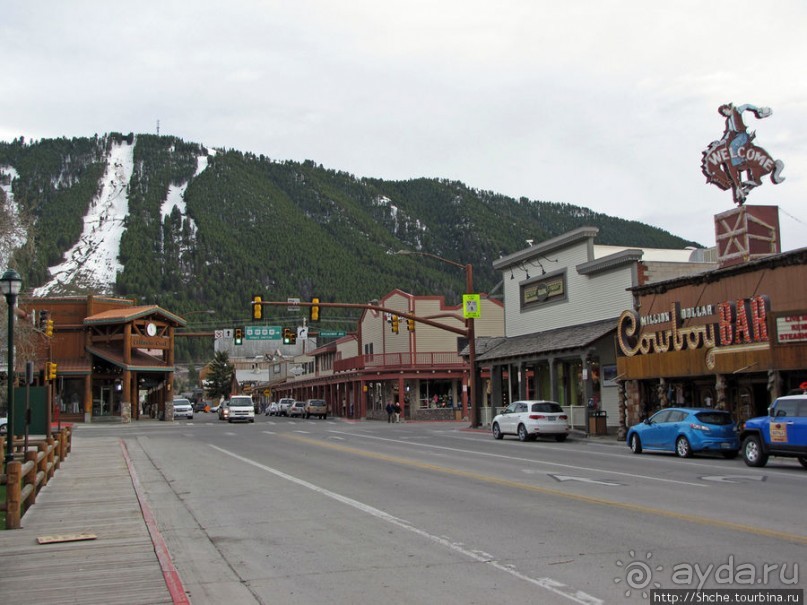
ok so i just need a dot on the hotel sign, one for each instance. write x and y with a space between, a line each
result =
150 342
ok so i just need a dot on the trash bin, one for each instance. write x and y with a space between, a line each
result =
598 422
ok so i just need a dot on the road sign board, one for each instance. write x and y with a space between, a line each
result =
263 332
471 306
331 334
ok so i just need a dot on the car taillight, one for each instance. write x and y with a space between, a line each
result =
699 427
563 417
537 417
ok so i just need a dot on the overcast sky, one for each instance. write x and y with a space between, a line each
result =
597 103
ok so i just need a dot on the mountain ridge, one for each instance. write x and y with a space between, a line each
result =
248 224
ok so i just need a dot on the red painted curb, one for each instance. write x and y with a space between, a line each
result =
172 580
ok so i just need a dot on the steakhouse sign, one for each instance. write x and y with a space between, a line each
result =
739 322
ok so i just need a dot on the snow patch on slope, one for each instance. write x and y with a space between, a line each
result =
92 264
16 233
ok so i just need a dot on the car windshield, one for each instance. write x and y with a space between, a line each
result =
241 401
181 402
547 407
719 418
317 402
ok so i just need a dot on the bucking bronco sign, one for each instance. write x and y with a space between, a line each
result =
734 162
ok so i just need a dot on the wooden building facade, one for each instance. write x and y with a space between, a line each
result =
114 359
734 338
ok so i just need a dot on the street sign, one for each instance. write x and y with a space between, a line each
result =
331 334
219 334
471 306
294 304
263 332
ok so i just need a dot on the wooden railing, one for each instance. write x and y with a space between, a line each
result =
394 361
24 480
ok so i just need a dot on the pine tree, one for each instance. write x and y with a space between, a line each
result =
219 380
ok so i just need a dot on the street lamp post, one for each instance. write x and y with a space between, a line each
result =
10 284
470 330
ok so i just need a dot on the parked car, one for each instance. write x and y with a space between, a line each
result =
272 409
183 409
201 406
239 408
531 419
685 431
3 426
783 432
297 409
283 406
316 407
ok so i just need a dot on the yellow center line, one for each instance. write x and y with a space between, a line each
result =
638 508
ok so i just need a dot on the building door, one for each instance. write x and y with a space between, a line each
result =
103 404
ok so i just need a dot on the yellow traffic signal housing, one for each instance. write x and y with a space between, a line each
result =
257 307
314 316
289 336
410 325
395 324
239 336
50 369
49 328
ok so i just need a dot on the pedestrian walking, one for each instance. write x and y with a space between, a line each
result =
397 408
390 412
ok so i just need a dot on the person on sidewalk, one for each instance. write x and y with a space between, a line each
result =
397 409
390 411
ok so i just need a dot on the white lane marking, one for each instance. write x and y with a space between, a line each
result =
512 458
563 478
303 432
734 478
269 432
547 583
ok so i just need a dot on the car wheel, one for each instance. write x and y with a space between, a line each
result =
635 444
522 433
803 461
497 432
560 438
682 447
730 455
752 452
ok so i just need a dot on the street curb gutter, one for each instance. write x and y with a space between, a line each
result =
172 580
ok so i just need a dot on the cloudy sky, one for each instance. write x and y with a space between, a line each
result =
599 103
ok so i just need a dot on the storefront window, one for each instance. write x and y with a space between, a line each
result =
71 398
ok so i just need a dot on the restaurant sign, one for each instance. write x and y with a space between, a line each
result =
739 322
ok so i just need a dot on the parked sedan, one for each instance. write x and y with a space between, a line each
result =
272 409
685 431
530 419
297 409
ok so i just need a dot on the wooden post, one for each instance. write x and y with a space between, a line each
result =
13 489
30 479
51 462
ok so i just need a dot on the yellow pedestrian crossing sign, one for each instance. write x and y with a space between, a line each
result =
471 306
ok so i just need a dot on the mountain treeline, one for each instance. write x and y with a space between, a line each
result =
282 229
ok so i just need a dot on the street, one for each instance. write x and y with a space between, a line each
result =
326 511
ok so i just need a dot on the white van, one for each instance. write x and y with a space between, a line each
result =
240 408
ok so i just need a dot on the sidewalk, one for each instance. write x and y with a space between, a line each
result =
93 492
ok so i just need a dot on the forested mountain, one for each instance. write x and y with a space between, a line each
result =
247 224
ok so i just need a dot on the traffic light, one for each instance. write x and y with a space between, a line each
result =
50 370
314 316
410 325
394 322
239 336
49 328
44 316
289 336
257 307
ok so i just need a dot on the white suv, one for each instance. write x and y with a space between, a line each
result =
183 409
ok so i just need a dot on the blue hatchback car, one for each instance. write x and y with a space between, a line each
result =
685 431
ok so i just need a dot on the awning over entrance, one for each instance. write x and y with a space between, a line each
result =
141 362
550 341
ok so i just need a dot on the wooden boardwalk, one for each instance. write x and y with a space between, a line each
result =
92 492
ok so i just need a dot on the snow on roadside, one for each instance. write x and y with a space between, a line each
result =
91 265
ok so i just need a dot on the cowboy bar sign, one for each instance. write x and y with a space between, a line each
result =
735 162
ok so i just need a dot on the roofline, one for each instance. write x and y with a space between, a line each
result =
561 241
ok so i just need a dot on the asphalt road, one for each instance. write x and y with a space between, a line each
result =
325 511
